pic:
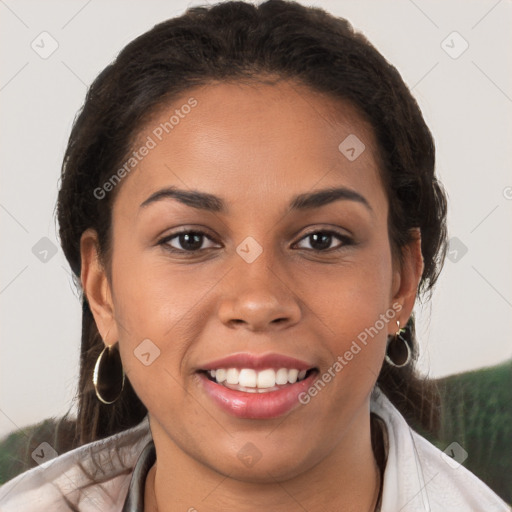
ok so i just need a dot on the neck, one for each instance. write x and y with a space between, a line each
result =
348 479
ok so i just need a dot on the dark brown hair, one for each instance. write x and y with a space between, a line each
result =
239 41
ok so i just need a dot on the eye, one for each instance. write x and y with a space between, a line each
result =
187 241
321 240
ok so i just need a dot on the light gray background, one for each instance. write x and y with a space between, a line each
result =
466 101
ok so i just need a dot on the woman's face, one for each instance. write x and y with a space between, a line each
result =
268 272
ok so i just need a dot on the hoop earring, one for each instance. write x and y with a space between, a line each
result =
108 375
398 352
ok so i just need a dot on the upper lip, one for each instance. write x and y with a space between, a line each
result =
257 362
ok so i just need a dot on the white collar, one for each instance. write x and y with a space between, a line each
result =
418 477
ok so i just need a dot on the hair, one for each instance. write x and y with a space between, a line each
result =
235 41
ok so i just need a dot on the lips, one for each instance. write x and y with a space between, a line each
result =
252 386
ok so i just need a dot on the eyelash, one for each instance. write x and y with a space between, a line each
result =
164 242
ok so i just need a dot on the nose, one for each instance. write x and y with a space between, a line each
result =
259 297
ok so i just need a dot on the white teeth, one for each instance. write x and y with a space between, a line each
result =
267 378
282 376
250 378
247 378
220 374
292 376
232 376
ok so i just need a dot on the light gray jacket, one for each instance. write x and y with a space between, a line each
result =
418 476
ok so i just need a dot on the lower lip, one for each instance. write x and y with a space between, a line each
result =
256 405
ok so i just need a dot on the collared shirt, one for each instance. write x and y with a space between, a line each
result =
418 477
135 499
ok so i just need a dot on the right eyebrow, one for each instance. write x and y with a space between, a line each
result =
193 198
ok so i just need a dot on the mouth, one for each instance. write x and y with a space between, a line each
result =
250 393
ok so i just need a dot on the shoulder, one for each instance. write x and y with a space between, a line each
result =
420 477
64 482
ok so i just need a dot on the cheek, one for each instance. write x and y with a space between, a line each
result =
352 309
152 296
350 297
160 313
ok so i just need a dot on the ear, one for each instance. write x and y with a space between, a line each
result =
406 278
97 288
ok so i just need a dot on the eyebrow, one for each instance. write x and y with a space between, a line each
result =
210 202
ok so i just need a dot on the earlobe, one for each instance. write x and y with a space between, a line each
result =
96 286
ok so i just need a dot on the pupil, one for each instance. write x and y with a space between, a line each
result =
190 241
326 238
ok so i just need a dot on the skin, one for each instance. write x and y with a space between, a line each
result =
256 146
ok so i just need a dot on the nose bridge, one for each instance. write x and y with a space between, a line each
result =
259 294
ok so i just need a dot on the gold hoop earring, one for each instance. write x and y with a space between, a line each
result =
398 352
108 375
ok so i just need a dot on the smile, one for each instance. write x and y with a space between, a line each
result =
256 386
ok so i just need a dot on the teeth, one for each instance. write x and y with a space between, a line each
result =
267 378
292 376
264 379
247 378
232 376
220 374
282 376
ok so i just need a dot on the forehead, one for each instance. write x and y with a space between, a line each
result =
252 141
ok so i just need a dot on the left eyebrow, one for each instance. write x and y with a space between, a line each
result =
325 196
210 202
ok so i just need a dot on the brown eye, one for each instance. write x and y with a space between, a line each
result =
322 240
185 241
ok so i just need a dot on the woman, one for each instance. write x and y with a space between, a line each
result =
248 200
